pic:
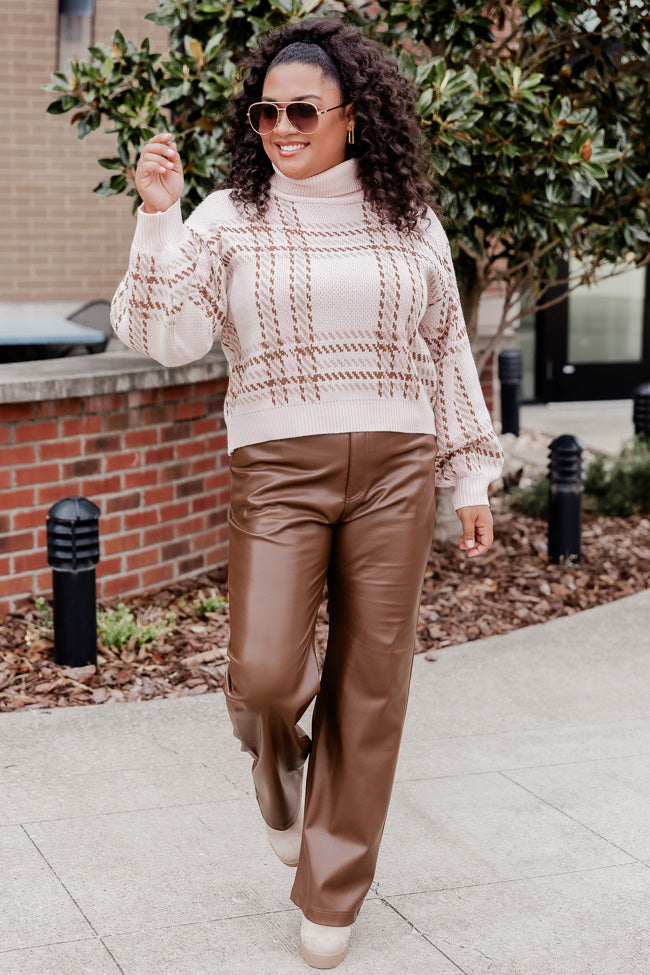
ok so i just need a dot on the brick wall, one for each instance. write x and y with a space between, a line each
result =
59 240
153 460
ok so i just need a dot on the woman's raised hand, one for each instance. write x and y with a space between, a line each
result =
159 174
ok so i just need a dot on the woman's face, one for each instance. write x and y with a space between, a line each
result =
294 154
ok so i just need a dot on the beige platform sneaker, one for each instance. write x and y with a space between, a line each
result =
286 842
322 946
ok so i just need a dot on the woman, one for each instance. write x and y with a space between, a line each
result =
352 393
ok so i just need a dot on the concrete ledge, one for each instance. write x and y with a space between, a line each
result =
118 370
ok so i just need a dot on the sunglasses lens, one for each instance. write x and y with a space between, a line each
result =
263 117
303 116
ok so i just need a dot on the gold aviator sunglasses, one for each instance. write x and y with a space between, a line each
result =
303 116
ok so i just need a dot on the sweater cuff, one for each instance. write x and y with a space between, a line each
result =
158 231
471 491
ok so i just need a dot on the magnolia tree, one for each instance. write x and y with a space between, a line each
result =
536 117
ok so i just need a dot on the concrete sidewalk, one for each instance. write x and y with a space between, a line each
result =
518 840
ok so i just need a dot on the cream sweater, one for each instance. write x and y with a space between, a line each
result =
330 319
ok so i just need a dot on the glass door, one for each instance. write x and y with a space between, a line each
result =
596 343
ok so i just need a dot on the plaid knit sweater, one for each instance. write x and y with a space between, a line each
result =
331 320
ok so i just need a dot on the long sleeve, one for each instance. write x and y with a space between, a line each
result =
171 303
470 455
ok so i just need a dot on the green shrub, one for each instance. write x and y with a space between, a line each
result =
615 488
214 603
117 627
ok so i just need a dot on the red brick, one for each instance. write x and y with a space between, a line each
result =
107 403
109 524
158 455
82 468
141 518
188 527
60 449
214 481
103 444
121 543
222 498
186 488
38 474
122 502
210 386
19 542
121 585
205 427
43 583
154 415
175 393
81 425
191 410
31 518
5 478
120 462
203 502
159 575
122 421
30 561
56 408
202 465
14 585
5 434
110 567
172 512
10 500
190 448
192 565
176 431
138 560
141 438
12 456
102 485
141 478
176 549
16 412
5 566
55 492
142 397
172 472
158 494
31 432
157 534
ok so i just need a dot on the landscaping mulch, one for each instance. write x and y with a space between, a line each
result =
511 587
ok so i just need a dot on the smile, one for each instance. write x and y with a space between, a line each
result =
290 148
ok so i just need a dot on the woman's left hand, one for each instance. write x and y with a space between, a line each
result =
477 534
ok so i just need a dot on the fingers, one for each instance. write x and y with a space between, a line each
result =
158 156
477 537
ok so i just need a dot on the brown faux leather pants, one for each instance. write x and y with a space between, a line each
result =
357 510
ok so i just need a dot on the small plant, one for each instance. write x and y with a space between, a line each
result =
214 603
43 608
119 627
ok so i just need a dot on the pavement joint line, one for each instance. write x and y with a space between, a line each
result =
516 880
519 768
425 937
123 812
568 815
641 719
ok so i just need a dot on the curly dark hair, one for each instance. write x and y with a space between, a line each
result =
393 162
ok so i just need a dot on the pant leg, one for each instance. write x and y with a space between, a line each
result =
280 541
378 560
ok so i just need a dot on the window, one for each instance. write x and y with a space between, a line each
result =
76 29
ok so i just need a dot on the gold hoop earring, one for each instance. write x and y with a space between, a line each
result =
351 137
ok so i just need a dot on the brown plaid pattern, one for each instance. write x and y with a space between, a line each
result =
318 304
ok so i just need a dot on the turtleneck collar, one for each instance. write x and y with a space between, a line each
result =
340 184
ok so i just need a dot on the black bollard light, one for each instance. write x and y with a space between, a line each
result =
510 378
73 553
565 499
641 411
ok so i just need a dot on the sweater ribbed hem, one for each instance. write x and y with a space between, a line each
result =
472 490
342 416
156 232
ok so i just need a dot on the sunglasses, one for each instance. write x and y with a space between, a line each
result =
303 116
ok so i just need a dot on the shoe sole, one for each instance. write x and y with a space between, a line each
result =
318 960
